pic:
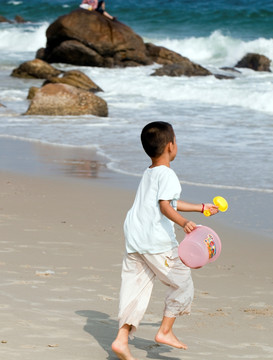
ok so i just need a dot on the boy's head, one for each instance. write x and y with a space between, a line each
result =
155 136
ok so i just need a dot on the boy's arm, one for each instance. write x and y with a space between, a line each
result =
185 206
173 215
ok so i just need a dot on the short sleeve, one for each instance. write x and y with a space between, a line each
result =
169 187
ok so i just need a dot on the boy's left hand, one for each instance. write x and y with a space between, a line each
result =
213 209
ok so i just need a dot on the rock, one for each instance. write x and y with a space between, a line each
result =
63 99
19 19
232 69
255 62
35 69
3 19
1 105
75 78
31 92
186 68
75 53
224 77
88 38
161 55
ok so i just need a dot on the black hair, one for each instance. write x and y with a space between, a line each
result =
155 136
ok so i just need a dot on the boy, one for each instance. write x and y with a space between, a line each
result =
151 245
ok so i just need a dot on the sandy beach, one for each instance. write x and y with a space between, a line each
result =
60 260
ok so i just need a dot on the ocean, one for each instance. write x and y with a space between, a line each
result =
224 128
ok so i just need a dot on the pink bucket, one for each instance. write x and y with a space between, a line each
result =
200 247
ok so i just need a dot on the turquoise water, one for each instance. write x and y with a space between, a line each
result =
243 19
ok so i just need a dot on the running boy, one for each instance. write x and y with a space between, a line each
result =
151 245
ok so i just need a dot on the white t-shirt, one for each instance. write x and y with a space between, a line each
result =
146 229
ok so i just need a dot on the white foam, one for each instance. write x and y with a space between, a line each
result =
137 89
44 142
23 37
12 2
217 49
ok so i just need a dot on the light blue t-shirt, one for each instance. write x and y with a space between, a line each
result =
146 229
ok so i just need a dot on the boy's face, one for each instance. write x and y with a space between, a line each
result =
173 148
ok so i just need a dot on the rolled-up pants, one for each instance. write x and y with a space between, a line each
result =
137 278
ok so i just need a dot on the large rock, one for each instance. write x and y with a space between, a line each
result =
62 99
88 38
185 68
35 69
255 62
75 78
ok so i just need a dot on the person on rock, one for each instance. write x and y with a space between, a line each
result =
96 5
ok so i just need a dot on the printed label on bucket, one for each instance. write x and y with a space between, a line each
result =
210 245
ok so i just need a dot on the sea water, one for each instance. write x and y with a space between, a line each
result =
224 128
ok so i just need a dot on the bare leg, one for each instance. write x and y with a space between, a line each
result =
166 336
105 13
120 345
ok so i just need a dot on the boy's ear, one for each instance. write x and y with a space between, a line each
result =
170 146
167 148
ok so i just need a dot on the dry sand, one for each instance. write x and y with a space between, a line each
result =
61 250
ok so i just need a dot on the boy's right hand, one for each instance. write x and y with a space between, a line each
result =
189 227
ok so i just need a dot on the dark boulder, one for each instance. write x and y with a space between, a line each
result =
255 62
186 68
88 38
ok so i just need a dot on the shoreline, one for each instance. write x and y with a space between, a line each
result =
60 259
72 163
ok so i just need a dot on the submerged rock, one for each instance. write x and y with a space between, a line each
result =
231 69
63 99
185 68
255 62
224 77
19 19
4 19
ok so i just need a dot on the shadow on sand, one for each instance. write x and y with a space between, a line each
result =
104 330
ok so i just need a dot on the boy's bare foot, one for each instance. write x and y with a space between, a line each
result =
169 339
122 350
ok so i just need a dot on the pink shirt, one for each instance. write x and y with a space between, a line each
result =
93 3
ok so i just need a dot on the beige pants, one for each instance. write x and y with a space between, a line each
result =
137 278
